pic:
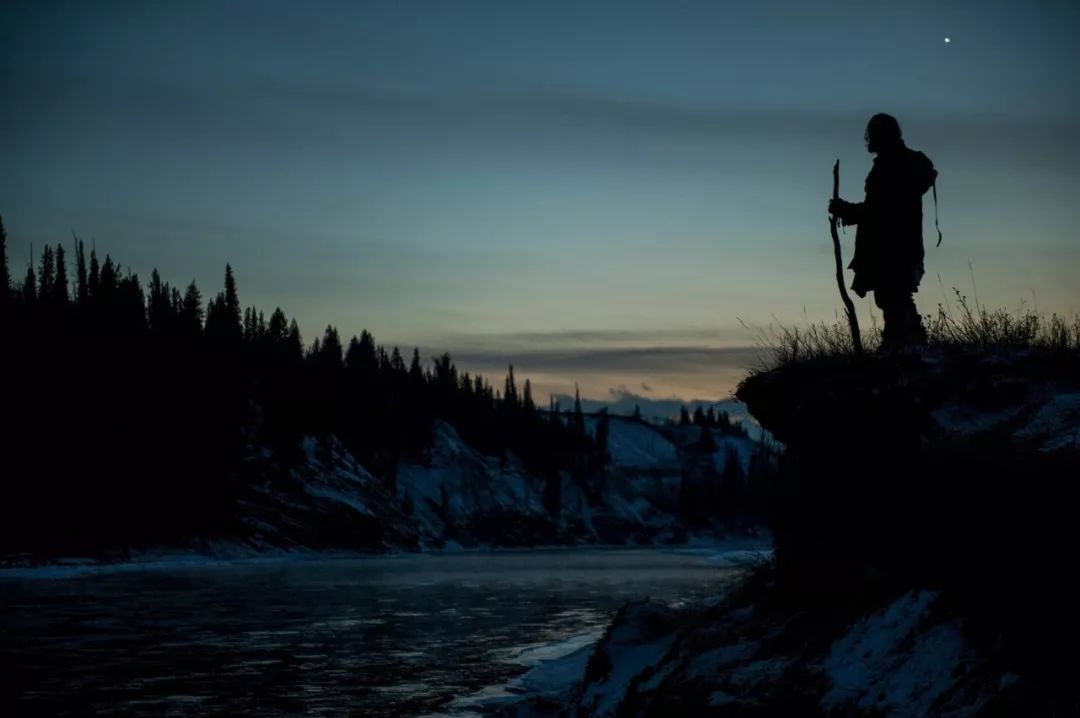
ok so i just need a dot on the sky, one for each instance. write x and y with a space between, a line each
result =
627 195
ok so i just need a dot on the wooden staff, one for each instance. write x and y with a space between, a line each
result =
853 321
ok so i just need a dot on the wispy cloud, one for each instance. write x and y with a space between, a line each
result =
661 359
676 372
514 121
581 339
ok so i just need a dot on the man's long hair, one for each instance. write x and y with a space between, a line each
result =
884 131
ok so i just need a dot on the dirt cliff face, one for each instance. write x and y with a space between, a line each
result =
926 553
894 461
1028 398
954 472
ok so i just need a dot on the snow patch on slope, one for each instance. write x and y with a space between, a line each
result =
637 641
1056 425
637 445
886 664
554 670
457 485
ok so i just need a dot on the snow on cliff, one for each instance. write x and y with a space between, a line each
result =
637 445
641 446
451 495
461 496
896 662
905 660
327 501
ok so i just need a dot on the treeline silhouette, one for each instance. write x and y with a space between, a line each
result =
132 413
711 418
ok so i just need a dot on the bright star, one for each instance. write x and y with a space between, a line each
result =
948 40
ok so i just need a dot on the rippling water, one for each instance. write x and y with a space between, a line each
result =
372 636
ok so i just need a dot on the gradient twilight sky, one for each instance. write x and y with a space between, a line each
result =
596 191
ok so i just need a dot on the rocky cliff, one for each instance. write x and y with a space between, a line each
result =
452 496
926 554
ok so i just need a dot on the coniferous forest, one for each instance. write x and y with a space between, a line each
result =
129 404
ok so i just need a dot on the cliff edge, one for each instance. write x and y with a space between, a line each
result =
926 553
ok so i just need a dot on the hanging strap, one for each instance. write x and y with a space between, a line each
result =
936 226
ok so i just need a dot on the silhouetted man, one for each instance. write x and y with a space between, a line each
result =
888 243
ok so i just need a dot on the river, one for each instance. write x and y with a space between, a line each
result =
373 636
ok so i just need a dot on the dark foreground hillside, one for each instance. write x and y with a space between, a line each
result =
926 554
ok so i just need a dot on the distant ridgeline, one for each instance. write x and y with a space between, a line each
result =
135 415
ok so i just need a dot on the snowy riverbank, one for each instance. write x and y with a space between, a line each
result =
721 553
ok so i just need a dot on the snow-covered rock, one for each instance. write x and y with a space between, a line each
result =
638 445
461 495
328 500
635 644
897 661
908 658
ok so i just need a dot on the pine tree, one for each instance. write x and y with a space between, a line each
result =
397 364
294 345
527 403
416 371
131 304
60 281
684 417
108 281
445 374
699 417
249 325
637 413
278 328
710 417
93 282
232 298
329 356
510 395
158 303
362 355
29 286
215 318
232 330
5 274
351 351
191 311
577 419
46 276
176 306
81 285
